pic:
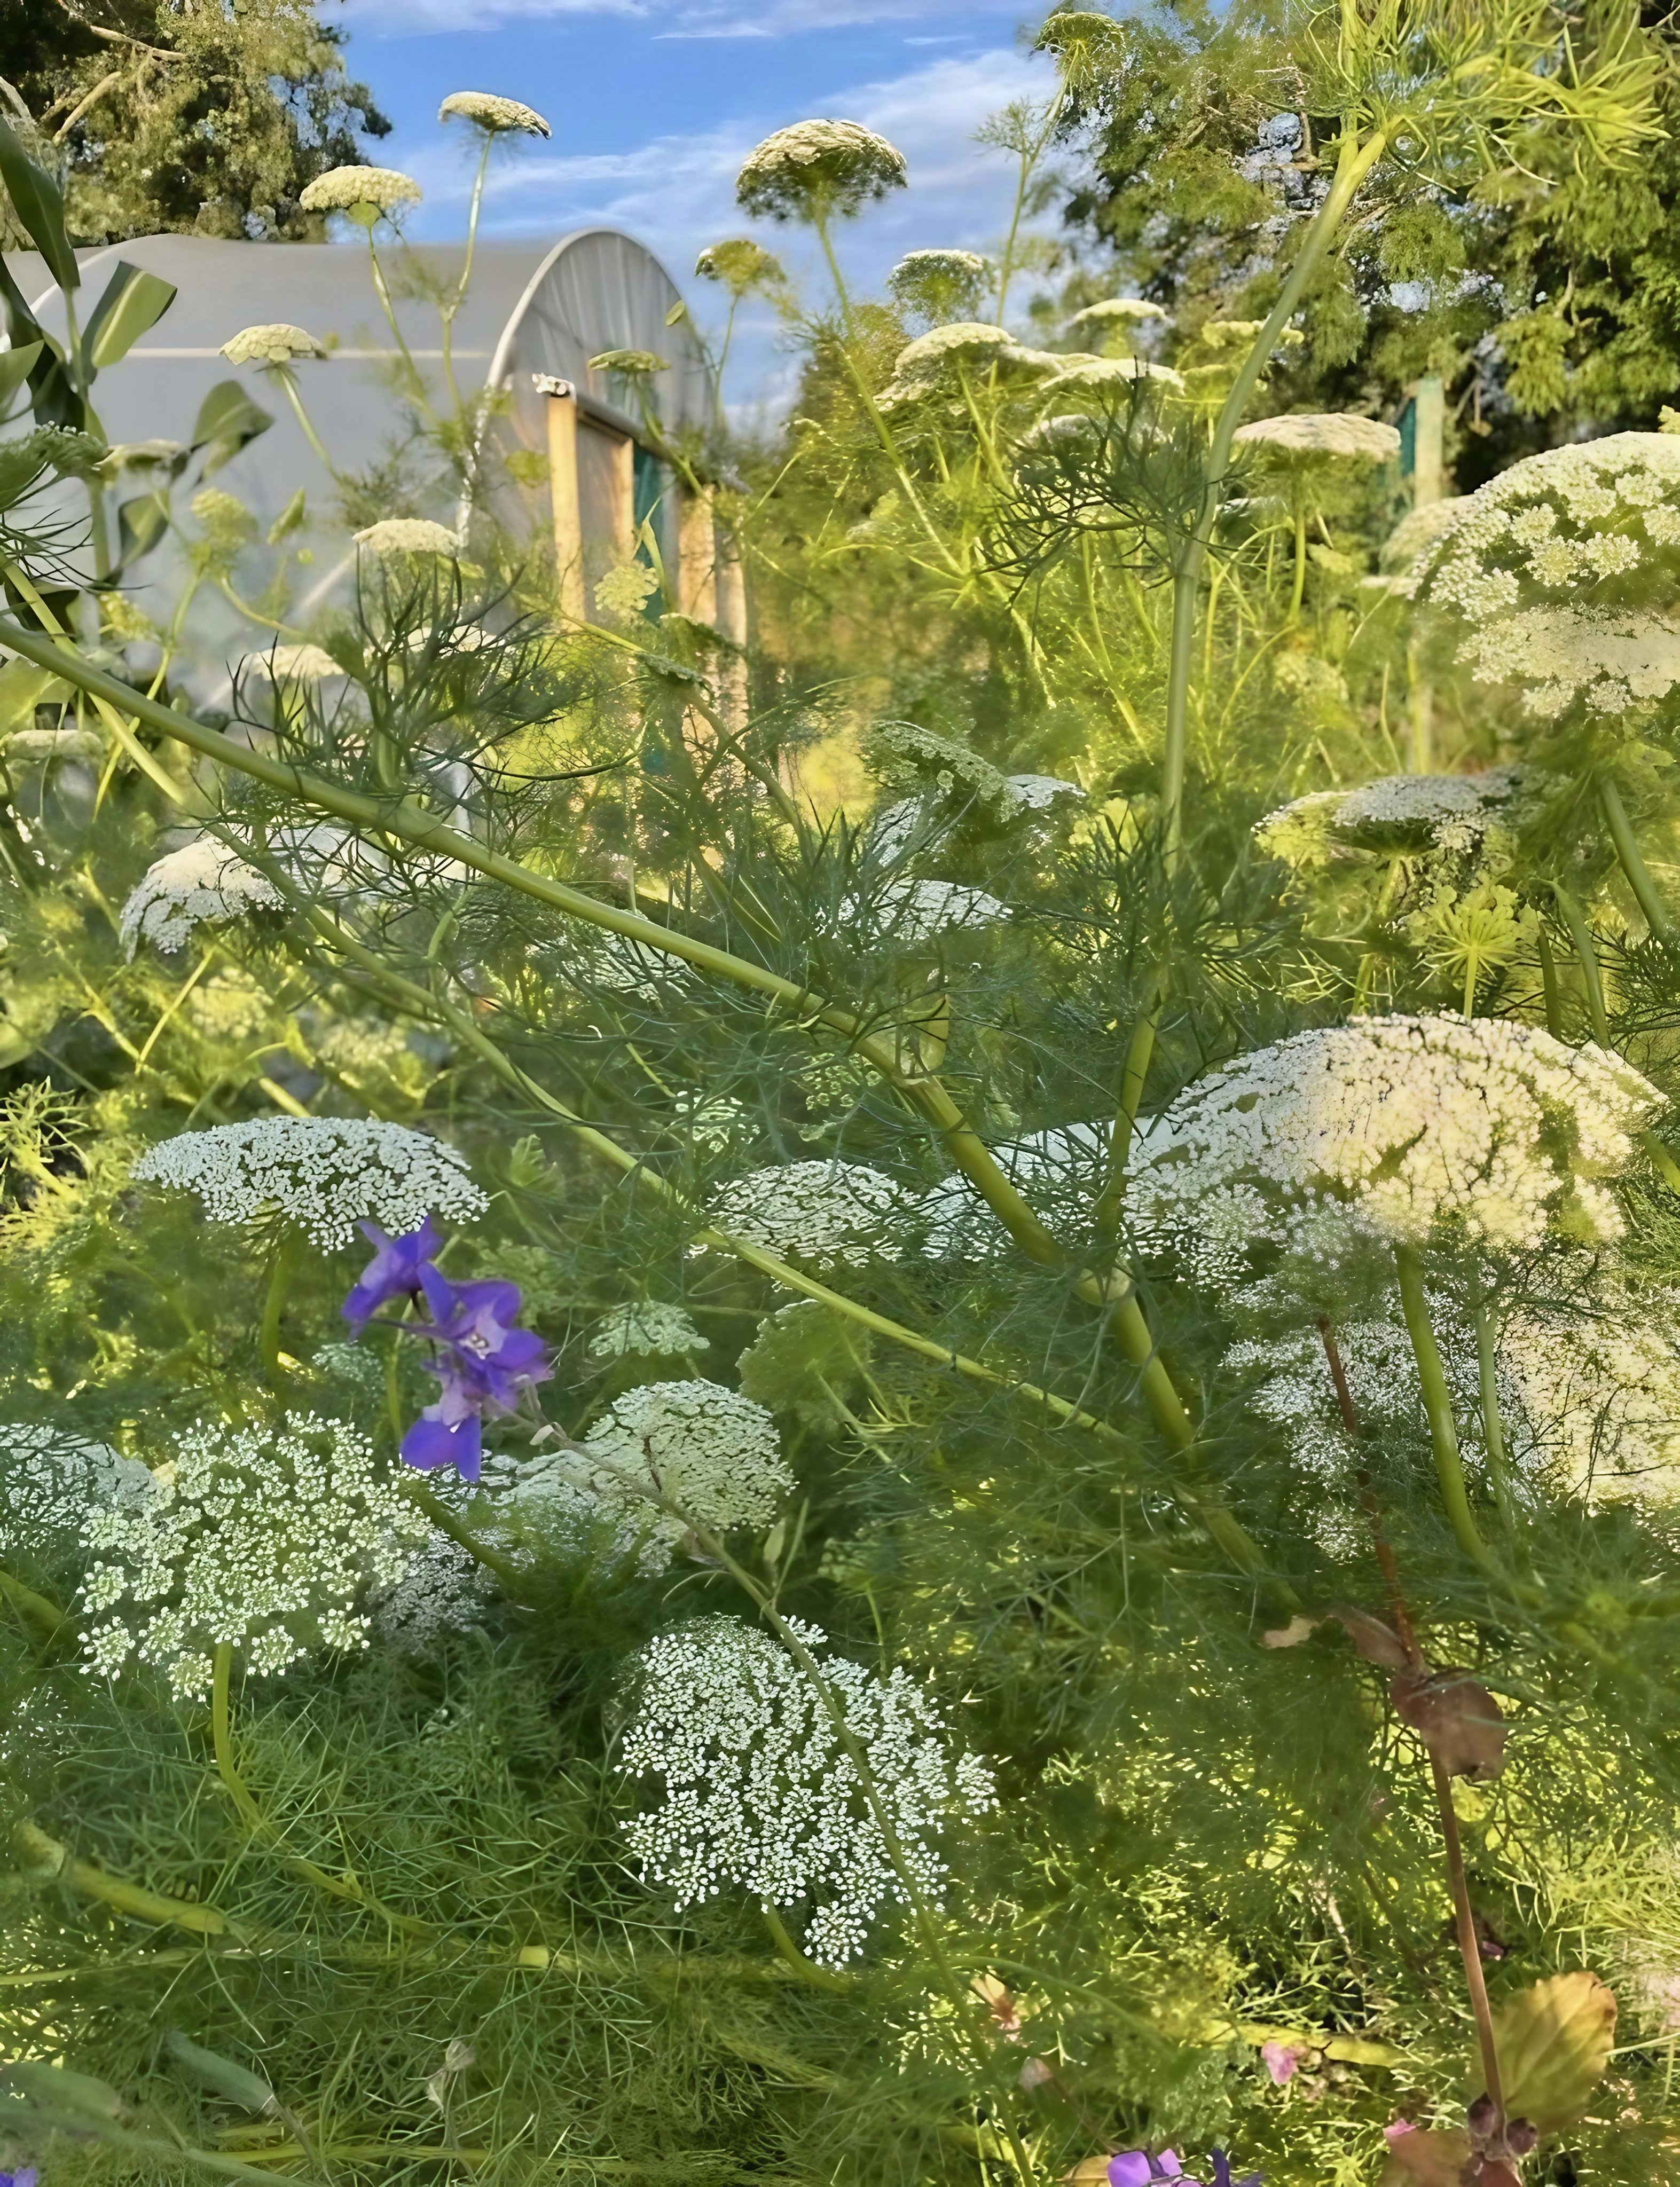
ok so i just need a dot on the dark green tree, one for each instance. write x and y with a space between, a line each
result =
1548 298
204 117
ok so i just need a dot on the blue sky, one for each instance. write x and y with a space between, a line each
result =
655 103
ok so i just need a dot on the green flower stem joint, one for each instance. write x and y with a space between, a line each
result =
402 821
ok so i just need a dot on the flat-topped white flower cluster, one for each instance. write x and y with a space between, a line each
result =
49 1480
699 1445
1483 1130
643 1326
759 1791
1609 657
323 1173
203 881
1408 814
814 1210
265 1542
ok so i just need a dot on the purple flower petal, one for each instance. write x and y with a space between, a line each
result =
1130 2168
393 1272
433 1442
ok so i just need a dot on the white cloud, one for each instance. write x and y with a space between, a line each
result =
728 19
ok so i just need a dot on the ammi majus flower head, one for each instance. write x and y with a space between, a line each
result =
742 266
367 194
819 170
1436 1131
266 1541
325 1174
279 343
496 116
758 1789
700 1446
201 882
941 285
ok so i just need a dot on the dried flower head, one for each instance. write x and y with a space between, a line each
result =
1338 433
741 265
325 1174
643 1326
371 192
409 535
49 1481
1416 1130
203 881
267 1541
814 1210
819 170
279 343
703 1448
759 1791
497 116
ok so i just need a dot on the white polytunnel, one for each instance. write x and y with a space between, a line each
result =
532 320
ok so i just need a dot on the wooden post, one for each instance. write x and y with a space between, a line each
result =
614 469
697 557
566 501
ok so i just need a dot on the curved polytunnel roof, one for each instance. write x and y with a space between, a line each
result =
530 313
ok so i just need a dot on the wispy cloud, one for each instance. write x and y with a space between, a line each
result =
704 19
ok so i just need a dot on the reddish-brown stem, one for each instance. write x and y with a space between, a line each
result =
1470 1947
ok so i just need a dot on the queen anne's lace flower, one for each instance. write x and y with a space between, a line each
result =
324 1173
1031 793
409 535
741 265
1337 433
759 1791
977 340
50 1480
1110 371
815 1211
1399 813
445 1590
203 881
912 911
1116 310
1059 1173
941 284
348 189
1611 656
297 664
902 751
265 1541
1407 1127
703 1448
487 110
645 1326
278 344
818 169
1598 1381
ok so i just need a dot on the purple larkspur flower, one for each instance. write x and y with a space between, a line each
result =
484 1361
26 2178
393 1272
1136 2168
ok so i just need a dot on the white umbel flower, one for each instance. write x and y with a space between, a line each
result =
974 340
1100 372
355 189
1031 793
1598 1380
499 116
703 1448
818 169
1061 1173
202 881
323 1173
1117 311
760 1792
279 343
297 664
444 1590
409 535
1413 813
814 1210
1611 657
1410 1129
1335 433
645 1326
265 1541
912 911
50 1480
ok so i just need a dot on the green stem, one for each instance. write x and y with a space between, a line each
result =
1298 589
1134 1072
807 1970
1549 989
1438 1405
1493 1428
288 379
516 1581
1574 920
280 1272
1632 863
453 306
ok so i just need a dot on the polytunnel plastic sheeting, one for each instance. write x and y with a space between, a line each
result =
528 313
